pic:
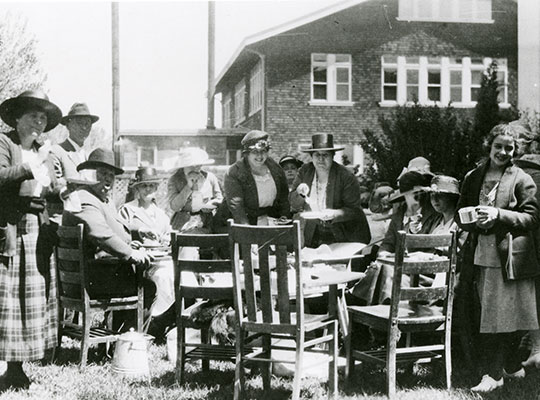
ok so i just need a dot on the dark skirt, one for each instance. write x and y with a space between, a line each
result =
28 307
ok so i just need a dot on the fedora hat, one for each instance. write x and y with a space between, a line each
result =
411 182
444 184
13 108
290 159
100 158
146 175
322 142
188 157
79 110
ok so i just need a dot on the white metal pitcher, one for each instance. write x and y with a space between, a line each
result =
131 354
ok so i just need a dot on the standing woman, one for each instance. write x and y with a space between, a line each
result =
28 313
330 189
504 199
255 186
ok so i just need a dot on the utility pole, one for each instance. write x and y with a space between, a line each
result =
115 27
211 61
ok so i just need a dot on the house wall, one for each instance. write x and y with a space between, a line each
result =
291 120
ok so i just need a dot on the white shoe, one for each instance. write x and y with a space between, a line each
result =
519 374
488 384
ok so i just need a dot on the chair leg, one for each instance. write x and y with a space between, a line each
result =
266 368
205 338
349 366
85 338
393 337
239 374
448 358
180 355
299 366
333 364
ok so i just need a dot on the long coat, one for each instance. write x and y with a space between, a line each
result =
518 214
241 195
28 310
342 193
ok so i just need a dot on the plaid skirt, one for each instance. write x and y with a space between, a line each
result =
28 307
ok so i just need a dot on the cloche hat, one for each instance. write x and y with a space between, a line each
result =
146 175
418 164
290 159
100 158
444 184
79 110
12 109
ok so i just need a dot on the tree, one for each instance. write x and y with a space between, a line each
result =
20 67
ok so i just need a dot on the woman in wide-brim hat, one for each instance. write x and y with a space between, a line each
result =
333 193
192 192
28 317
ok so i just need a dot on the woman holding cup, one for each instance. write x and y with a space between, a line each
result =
28 311
503 261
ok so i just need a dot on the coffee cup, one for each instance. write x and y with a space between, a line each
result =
468 215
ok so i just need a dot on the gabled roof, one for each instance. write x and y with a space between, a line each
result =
287 26
354 26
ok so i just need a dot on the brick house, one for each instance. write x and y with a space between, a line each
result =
338 69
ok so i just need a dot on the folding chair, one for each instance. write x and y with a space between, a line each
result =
72 271
208 244
410 309
256 287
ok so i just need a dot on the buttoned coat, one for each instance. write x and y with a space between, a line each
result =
518 214
343 194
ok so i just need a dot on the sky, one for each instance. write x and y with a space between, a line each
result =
163 53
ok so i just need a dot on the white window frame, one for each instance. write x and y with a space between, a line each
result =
227 108
240 102
445 65
413 10
256 82
331 79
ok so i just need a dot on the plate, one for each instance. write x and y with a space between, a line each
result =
312 214
153 246
80 181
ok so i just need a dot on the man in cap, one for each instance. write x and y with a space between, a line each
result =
105 233
67 155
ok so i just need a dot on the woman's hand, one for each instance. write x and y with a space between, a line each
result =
486 216
195 180
302 189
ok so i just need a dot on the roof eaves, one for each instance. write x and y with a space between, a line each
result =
257 37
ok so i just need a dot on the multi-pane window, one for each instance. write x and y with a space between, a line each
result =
437 80
256 82
227 110
330 78
446 10
239 102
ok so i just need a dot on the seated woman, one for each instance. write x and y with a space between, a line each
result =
255 186
414 215
330 189
290 165
193 193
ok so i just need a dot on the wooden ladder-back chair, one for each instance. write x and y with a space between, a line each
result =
263 307
412 309
72 267
208 244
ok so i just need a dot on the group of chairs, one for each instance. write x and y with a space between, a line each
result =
265 316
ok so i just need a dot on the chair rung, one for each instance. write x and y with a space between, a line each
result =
224 353
379 356
96 334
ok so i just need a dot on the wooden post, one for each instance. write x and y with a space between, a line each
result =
210 124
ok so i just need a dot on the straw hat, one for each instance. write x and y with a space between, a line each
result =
418 164
100 158
15 107
444 184
290 159
188 157
146 175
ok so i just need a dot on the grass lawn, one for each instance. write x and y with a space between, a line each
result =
63 380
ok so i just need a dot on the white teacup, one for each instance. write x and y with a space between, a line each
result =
468 215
